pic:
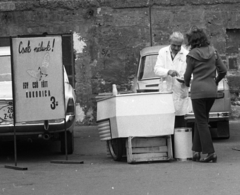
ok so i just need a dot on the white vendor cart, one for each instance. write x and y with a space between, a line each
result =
134 115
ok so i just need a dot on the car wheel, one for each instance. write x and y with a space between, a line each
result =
224 129
220 129
70 142
116 148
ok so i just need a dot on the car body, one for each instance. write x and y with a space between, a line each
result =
145 80
47 130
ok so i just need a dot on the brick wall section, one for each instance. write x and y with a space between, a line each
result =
115 30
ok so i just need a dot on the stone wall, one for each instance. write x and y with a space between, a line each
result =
108 35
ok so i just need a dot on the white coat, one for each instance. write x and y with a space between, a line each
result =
165 63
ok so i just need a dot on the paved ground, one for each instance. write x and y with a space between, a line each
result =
100 175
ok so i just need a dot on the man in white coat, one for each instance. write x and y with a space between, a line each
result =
171 64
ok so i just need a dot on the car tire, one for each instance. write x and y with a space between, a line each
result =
116 148
220 129
226 132
70 142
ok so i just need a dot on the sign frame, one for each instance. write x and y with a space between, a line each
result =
22 66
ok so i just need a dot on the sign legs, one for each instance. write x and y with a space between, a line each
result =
15 154
66 161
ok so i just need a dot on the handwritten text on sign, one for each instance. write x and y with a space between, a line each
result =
38 78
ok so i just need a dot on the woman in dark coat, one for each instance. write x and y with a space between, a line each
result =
203 62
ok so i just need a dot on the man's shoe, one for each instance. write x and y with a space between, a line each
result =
196 156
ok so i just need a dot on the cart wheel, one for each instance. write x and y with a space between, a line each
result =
116 148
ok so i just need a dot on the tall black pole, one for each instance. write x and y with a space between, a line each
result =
14 105
150 23
65 132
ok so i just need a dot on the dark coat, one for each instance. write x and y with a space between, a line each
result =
204 63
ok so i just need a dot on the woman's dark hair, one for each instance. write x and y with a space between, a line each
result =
196 37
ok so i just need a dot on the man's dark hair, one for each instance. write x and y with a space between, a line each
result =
196 37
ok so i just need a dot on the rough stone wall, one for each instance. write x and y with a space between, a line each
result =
110 34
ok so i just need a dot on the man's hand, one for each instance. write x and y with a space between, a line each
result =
173 73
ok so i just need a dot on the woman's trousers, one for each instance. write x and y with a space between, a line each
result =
202 140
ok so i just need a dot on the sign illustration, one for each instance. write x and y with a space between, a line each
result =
42 70
38 78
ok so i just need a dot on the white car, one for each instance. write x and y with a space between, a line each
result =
145 80
56 128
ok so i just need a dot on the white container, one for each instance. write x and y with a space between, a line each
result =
183 144
138 114
114 90
164 86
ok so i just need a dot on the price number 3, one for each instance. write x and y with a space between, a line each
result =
54 103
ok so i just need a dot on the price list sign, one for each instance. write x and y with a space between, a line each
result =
38 78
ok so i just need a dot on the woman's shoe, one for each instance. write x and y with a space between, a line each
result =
210 158
196 156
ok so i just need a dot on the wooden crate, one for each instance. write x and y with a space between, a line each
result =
148 149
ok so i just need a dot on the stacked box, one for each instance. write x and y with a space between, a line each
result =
149 149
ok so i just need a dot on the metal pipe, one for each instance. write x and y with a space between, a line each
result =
150 23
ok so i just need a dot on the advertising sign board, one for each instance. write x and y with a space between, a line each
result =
38 78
